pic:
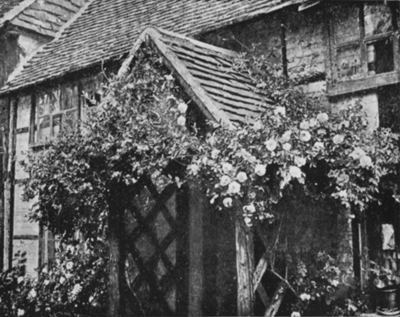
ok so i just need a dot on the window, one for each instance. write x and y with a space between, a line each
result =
56 109
364 40
389 107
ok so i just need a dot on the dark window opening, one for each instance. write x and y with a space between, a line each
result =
389 107
380 57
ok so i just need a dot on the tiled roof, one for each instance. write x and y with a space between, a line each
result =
47 16
7 5
207 75
108 28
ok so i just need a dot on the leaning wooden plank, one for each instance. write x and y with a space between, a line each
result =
273 308
244 265
259 271
263 295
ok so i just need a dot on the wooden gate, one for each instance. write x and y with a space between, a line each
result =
157 250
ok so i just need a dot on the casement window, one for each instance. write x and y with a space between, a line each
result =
364 41
56 110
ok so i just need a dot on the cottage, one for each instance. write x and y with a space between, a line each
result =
339 52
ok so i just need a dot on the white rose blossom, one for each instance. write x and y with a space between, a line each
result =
260 169
287 146
32 293
304 125
295 171
249 208
338 138
286 136
271 145
226 168
20 312
70 265
225 180
305 136
295 314
227 202
181 121
300 161
234 188
305 297
257 126
76 290
322 117
313 122
182 107
365 161
215 153
62 280
241 177
318 146
357 153
247 220
280 111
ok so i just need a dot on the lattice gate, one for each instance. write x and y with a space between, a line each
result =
157 247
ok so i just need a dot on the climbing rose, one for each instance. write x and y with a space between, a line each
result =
286 136
260 169
304 125
225 180
305 296
20 312
76 290
357 153
32 293
365 161
300 161
234 188
20 279
227 202
295 171
343 178
62 280
241 177
280 111
295 314
249 208
193 169
257 125
271 145
318 145
313 122
181 121
287 146
338 138
322 117
247 220
305 136
182 107
70 265
214 153
226 168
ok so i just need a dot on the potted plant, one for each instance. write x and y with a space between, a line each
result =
386 284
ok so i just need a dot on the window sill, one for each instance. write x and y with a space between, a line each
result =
368 82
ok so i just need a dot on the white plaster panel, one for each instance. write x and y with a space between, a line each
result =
22 224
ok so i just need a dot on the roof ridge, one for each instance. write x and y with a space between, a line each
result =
15 11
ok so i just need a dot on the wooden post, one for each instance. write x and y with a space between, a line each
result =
244 264
116 264
197 206
9 186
